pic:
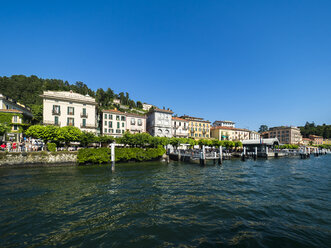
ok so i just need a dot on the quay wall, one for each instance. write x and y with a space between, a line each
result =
27 159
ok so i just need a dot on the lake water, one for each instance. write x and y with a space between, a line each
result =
265 203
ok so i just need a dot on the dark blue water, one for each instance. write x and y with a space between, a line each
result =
264 203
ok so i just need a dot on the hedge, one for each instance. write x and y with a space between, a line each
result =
51 147
102 155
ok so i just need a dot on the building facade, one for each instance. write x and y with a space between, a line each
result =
180 127
147 106
230 133
66 108
224 124
113 122
198 127
285 134
253 135
136 123
159 122
317 140
15 116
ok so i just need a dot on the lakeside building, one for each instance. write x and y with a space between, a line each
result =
253 135
116 123
317 140
113 122
15 116
198 127
306 141
179 127
159 122
136 123
66 108
327 142
224 124
230 133
285 134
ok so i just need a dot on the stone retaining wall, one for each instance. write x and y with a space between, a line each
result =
37 158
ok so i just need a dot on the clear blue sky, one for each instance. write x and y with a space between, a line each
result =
252 62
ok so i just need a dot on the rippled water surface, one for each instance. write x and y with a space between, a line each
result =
264 203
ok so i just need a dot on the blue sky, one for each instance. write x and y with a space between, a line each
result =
252 62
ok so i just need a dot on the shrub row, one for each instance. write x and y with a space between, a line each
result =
102 155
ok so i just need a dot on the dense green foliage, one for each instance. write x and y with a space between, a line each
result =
320 130
27 90
288 146
102 155
263 128
51 147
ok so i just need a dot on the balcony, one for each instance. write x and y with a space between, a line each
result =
88 126
83 115
71 113
53 123
56 112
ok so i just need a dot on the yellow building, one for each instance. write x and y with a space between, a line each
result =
231 133
327 142
198 127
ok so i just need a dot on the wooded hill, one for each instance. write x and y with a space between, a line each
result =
27 90
320 130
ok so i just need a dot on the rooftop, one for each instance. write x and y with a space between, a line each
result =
230 128
69 96
179 119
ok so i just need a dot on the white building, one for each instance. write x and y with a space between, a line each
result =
224 124
229 133
136 123
159 122
147 106
113 123
65 108
180 127
253 135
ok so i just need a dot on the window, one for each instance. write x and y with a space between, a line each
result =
105 116
105 123
207 136
111 117
196 135
56 120
84 112
122 131
123 118
56 109
122 124
71 110
15 127
15 118
84 123
199 134
133 121
140 122
70 122
117 118
105 130
118 125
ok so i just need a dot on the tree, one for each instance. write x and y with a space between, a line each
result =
263 128
3 129
87 138
36 131
139 105
69 134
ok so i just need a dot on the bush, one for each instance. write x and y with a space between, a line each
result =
102 155
51 147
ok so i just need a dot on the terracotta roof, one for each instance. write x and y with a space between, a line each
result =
179 119
230 128
113 111
306 139
11 111
163 110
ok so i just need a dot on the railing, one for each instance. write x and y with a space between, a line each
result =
88 126
52 123
70 113
55 112
83 115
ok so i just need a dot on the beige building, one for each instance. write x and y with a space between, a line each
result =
179 127
285 134
136 123
66 108
253 135
230 133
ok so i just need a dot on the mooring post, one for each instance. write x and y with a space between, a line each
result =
220 158
178 154
243 154
203 156
112 152
255 155
266 152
